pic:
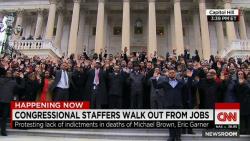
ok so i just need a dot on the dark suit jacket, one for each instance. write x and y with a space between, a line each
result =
147 88
174 97
156 92
32 88
190 95
116 84
243 96
2 71
136 82
209 93
7 88
79 79
157 95
101 96
58 78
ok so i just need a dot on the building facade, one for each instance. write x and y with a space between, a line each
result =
63 27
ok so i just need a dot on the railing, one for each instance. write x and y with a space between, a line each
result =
237 45
35 45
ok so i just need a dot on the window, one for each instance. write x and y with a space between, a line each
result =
138 29
160 30
94 31
117 30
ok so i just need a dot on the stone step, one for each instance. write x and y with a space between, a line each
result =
116 134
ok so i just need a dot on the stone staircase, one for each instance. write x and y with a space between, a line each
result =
117 134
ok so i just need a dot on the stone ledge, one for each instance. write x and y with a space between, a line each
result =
128 134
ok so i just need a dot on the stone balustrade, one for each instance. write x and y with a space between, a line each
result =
36 46
239 47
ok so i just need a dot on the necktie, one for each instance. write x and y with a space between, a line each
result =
97 77
65 78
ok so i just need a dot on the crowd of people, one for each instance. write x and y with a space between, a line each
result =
133 81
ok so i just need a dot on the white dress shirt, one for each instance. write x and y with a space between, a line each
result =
173 82
64 81
96 78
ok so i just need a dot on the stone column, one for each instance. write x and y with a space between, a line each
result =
126 26
220 37
231 35
99 39
19 21
39 23
59 28
242 25
74 28
51 19
205 39
152 40
106 28
197 31
81 32
172 25
179 43
1 16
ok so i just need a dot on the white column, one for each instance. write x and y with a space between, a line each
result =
242 25
172 25
51 19
1 16
74 28
231 35
59 28
152 40
126 26
179 43
81 32
197 31
220 37
106 34
19 21
205 40
39 23
99 39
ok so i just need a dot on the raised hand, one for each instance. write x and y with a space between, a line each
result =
6 66
38 77
21 75
222 77
189 73
219 65
125 50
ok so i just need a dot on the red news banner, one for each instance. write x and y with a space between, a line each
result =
34 115
45 107
49 105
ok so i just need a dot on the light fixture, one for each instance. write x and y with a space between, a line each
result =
138 23
7 26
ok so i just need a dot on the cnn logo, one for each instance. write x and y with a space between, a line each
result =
227 113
